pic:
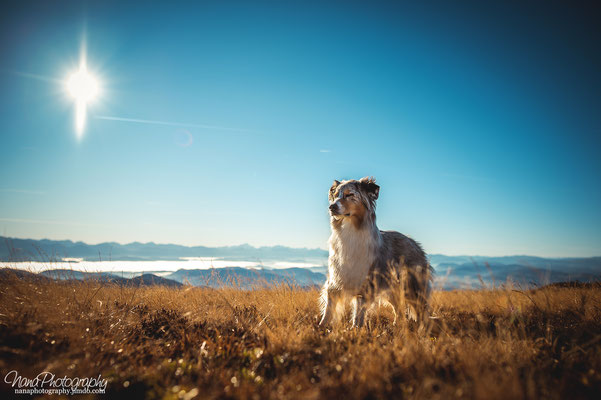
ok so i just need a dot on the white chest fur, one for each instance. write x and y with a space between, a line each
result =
352 252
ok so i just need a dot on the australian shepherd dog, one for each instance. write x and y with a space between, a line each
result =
368 266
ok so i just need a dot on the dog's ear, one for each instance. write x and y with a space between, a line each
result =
333 190
369 186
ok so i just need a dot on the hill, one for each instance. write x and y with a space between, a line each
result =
247 278
104 277
161 342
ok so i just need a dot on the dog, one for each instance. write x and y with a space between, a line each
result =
367 265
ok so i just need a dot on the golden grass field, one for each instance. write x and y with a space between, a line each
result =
155 342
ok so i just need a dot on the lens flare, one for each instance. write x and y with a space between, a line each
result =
84 88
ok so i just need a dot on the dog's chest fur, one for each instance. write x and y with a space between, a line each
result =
352 252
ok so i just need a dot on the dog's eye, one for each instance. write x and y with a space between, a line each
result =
349 195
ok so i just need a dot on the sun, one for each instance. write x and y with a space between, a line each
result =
84 88
82 85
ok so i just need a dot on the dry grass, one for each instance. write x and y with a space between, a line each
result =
156 342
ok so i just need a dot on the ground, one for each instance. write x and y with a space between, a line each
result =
158 342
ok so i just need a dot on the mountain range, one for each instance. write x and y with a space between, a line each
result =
65 274
14 250
451 271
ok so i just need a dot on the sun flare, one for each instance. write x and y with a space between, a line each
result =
84 88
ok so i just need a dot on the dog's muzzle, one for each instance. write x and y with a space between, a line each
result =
334 209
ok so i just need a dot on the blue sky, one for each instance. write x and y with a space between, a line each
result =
480 122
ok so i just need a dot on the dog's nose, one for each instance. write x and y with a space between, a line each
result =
333 207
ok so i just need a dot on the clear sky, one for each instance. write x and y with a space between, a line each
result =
480 122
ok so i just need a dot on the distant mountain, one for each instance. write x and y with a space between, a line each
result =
66 274
463 271
12 249
303 276
142 280
153 280
247 278
7 273
560 264
216 277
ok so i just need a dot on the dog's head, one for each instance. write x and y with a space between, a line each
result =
353 199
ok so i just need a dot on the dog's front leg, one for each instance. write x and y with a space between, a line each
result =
358 311
329 298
